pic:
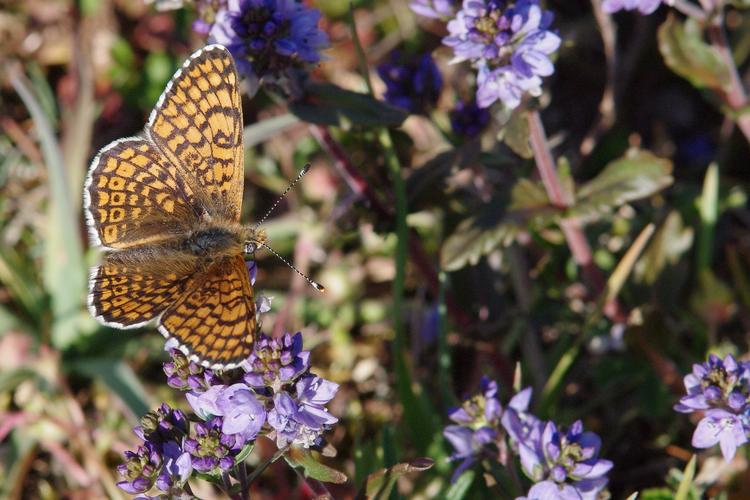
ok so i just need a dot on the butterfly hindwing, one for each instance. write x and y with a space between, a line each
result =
214 320
197 124
126 295
133 196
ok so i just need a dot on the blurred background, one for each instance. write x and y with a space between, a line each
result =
481 297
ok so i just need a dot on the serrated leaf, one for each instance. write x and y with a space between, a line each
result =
687 54
636 175
380 484
497 226
327 104
515 134
424 177
299 457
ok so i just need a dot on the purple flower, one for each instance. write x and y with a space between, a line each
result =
469 445
435 9
162 425
205 404
509 43
468 119
564 463
721 389
481 410
269 37
413 84
243 413
177 467
301 420
479 433
210 449
276 362
140 469
207 12
721 427
644 6
185 375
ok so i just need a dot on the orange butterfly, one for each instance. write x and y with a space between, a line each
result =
165 207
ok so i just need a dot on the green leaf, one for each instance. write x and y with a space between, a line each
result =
688 55
669 243
299 457
515 134
327 104
708 208
462 485
119 377
380 484
496 226
63 270
263 130
636 175
683 491
244 453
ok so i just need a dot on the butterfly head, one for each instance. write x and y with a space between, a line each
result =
254 239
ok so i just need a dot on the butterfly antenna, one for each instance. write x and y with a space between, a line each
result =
291 185
312 283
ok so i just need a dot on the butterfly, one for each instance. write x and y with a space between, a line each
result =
165 208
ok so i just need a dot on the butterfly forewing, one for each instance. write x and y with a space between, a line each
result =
197 124
215 319
134 196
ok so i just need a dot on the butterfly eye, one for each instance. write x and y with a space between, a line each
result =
250 247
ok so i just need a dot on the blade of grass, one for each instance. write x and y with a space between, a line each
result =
708 209
612 289
683 491
417 409
63 270
120 378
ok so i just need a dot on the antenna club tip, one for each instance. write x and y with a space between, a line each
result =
305 168
319 287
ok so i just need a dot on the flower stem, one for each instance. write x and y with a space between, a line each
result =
559 197
735 95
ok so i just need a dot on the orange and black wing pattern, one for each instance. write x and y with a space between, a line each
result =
125 295
133 196
197 124
214 320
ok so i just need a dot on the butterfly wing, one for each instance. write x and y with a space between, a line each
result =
214 321
197 124
133 196
126 295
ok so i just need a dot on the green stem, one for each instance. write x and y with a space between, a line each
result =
399 187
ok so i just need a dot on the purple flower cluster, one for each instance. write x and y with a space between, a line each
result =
644 6
561 464
274 394
435 9
510 45
161 461
413 85
269 38
721 390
